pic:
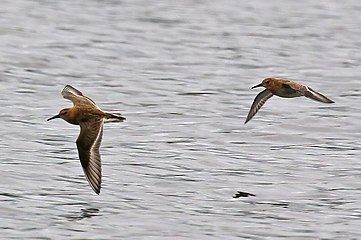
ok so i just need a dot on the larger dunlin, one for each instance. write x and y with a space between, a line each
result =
91 119
282 88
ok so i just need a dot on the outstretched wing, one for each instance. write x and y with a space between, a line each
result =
312 94
75 95
88 144
258 102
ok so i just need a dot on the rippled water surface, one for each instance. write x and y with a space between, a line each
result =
181 72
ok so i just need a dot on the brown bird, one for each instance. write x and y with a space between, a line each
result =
91 119
282 88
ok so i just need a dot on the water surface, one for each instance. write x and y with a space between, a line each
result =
181 74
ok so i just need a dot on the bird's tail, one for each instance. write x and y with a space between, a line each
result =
114 117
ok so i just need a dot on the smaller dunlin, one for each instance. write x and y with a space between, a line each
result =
282 88
91 119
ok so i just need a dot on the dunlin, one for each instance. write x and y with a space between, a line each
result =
91 119
282 88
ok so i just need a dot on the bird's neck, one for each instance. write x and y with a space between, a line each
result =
71 117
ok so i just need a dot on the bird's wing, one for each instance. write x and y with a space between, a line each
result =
75 95
292 89
258 102
312 94
88 144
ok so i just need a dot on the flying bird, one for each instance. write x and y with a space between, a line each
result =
282 88
90 118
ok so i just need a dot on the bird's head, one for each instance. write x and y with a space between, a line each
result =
265 83
64 114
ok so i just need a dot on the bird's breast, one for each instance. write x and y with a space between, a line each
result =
286 92
72 121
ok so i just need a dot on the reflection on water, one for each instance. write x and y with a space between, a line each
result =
84 213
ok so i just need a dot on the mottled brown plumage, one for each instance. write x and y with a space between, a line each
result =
91 119
282 88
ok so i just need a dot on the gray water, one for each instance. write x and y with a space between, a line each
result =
181 72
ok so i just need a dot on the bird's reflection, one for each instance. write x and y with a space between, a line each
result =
84 213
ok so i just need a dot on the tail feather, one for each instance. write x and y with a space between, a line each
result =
114 117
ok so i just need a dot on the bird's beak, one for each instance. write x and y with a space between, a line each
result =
258 85
56 116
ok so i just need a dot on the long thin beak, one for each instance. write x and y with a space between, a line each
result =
258 85
56 116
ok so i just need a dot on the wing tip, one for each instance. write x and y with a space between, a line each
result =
97 191
310 93
94 181
70 89
95 186
258 102
66 88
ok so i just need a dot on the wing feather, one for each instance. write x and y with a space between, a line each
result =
312 94
258 102
88 144
75 96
